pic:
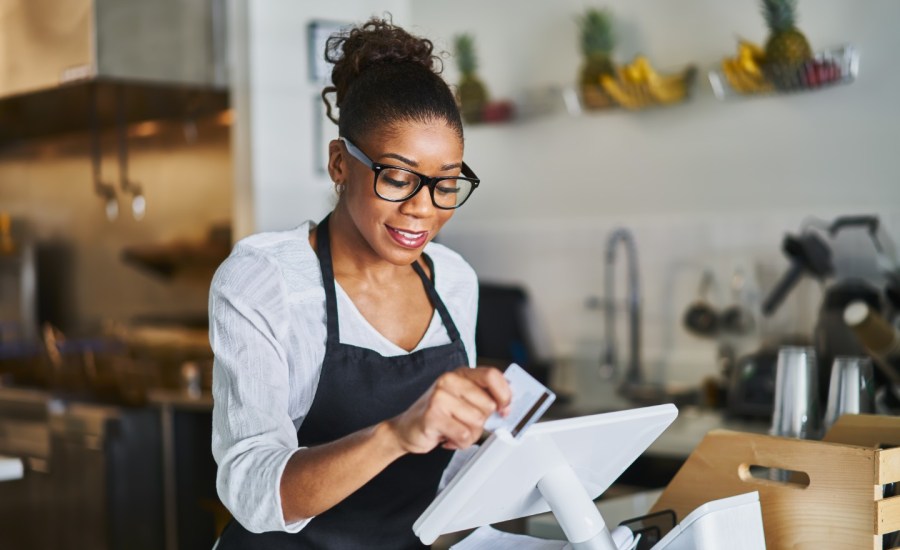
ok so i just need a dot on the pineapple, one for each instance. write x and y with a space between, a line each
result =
471 93
596 45
786 48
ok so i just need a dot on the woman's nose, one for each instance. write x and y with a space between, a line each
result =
418 205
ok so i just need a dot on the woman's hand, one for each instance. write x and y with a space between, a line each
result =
453 411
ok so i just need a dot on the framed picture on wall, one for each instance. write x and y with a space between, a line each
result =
317 32
325 131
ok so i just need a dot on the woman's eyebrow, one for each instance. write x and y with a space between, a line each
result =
415 164
401 158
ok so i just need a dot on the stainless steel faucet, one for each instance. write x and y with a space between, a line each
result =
633 375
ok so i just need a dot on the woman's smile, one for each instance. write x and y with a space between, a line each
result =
408 239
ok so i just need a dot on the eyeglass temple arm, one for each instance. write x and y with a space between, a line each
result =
467 172
357 152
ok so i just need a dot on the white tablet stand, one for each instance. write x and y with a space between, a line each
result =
562 465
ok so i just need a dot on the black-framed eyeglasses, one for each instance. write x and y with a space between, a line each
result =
396 184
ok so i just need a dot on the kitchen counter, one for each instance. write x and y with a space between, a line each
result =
595 395
692 424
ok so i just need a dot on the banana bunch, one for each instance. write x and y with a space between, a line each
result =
626 94
744 72
638 85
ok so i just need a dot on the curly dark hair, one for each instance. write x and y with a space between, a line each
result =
383 75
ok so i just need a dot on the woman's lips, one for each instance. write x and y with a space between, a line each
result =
408 239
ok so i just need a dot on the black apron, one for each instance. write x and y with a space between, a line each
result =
358 388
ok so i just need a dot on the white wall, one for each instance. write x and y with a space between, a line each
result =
705 184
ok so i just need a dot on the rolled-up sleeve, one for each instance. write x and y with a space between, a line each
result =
253 435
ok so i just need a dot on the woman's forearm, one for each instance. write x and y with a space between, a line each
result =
317 478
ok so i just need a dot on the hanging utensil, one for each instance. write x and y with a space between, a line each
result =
737 318
138 203
104 190
701 318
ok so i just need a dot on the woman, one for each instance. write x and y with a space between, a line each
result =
344 374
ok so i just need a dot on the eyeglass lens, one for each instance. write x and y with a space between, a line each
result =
396 185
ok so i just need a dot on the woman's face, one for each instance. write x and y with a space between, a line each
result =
397 231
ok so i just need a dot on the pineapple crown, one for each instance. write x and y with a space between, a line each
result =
781 15
596 31
465 54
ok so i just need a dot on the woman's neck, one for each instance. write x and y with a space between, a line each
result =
353 257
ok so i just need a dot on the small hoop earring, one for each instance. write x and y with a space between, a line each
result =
339 188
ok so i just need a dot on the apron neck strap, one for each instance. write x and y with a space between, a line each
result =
435 299
323 252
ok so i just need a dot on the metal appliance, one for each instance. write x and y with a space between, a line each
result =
107 477
18 289
92 475
169 55
855 259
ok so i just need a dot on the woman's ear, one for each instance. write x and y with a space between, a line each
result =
337 166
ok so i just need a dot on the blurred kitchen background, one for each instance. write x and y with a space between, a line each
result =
139 140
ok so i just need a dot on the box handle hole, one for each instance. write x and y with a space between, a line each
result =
779 476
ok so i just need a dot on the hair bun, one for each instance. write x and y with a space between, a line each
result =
378 41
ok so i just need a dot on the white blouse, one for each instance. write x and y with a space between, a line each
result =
267 331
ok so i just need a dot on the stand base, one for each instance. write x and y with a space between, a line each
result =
574 510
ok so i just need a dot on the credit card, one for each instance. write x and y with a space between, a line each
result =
530 400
